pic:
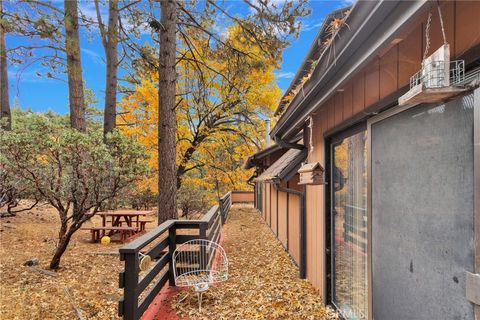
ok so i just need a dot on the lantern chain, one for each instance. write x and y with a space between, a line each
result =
427 29
427 35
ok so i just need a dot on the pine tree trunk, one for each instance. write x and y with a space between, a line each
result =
4 102
74 66
167 122
109 120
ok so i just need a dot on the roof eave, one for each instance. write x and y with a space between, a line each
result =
252 161
372 25
311 51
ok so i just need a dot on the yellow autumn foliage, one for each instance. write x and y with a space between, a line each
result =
223 99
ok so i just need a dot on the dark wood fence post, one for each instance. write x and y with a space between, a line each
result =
203 235
203 226
130 302
172 245
223 214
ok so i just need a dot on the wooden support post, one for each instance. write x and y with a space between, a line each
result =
172 245
203 235
303 234
203 230
130 302
277 211
222 210
288 219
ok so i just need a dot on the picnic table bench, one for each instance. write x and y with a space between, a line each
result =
142 224
99 232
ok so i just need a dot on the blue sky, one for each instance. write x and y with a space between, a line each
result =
42 94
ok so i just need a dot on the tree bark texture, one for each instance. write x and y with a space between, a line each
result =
4 102
74 67
167 122
64 237
111 54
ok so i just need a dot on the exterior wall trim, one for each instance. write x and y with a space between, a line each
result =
476 181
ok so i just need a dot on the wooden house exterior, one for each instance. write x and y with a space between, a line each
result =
371 242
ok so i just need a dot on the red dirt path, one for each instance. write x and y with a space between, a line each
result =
161 306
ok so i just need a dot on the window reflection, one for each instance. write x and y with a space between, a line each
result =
350 226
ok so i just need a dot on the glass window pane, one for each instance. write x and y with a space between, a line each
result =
349 218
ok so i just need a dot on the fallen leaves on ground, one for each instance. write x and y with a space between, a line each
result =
91 278
263 280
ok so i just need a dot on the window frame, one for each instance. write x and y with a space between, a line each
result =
330 142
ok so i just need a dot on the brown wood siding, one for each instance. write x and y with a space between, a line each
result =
264 201
410 56
282 217
389 72
348 102
293 183
294 226
321 118
436 38
338 100
358 93
394 66
330 107
294 219
467 26
315 219
273 195
372 83
267 204
242 196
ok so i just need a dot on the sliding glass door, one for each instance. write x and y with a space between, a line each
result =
348 220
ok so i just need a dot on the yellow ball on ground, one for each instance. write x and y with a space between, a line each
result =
105 240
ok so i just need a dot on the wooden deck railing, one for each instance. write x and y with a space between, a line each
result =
225 204
159 244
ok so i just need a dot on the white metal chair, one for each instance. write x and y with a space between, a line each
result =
198 264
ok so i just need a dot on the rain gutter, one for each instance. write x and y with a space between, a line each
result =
371 25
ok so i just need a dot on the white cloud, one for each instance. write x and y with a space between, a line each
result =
95 57
16 77
285 75
90 13
310 26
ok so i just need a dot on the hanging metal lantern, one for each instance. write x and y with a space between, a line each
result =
439 79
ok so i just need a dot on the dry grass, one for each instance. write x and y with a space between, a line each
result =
263 281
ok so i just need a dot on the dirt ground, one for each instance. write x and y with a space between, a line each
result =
263 280
87 274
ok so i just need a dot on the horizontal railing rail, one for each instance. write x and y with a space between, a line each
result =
160 244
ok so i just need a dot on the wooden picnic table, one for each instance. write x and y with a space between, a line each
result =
129 217
116 224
